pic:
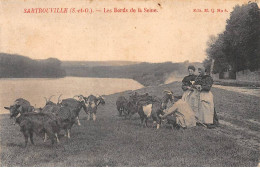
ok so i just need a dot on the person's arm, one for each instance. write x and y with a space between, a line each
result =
185 84
170 111
184 87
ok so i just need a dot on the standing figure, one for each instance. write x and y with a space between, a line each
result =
206 113
190 94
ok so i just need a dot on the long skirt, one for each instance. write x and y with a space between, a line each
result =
192 98
206 108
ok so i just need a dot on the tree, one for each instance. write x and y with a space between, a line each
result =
215 51
238 47
241 37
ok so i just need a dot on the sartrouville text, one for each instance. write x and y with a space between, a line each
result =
45 10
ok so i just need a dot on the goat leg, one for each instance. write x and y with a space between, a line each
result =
94 117
159 122
146 122
120 111
45 137
142 120
26 136
68 133
154 122
31 138
56 135
78 121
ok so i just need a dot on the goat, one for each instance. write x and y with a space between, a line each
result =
51 107
75 105
38 123
121 104
92 104
67 117
63 113
23 105
149 106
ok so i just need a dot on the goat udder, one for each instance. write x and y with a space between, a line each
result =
147 110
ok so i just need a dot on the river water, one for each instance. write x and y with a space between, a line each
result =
35 89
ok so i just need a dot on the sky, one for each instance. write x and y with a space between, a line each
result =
174 33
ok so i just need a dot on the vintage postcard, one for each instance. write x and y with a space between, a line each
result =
134 83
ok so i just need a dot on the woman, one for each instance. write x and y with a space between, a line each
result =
203 84
182 113
190 94
184 109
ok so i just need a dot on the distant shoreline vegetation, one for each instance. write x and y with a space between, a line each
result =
17 66
147 74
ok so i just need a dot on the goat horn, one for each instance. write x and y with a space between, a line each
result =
51 97
59 98
75 96
46 99
167 91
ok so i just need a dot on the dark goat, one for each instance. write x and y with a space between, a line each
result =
67 118
37 123
63 113
136 97
92 104
149 106
51 107
75 106
20 106
136 100
23 105
121 104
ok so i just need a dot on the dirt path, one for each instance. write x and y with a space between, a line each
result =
250 138
243 90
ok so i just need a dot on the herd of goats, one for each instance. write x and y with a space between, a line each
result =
54 117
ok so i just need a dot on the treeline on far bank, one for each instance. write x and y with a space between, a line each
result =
17 66
147 74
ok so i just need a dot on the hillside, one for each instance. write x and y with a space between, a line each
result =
96 63
148 74
145 73
17 66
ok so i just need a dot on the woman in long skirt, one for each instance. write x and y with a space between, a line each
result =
206 104
190 94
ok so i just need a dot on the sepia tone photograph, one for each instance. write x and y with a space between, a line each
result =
134 83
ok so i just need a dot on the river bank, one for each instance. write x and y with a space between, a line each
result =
115 141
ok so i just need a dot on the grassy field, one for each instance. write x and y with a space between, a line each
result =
114 141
